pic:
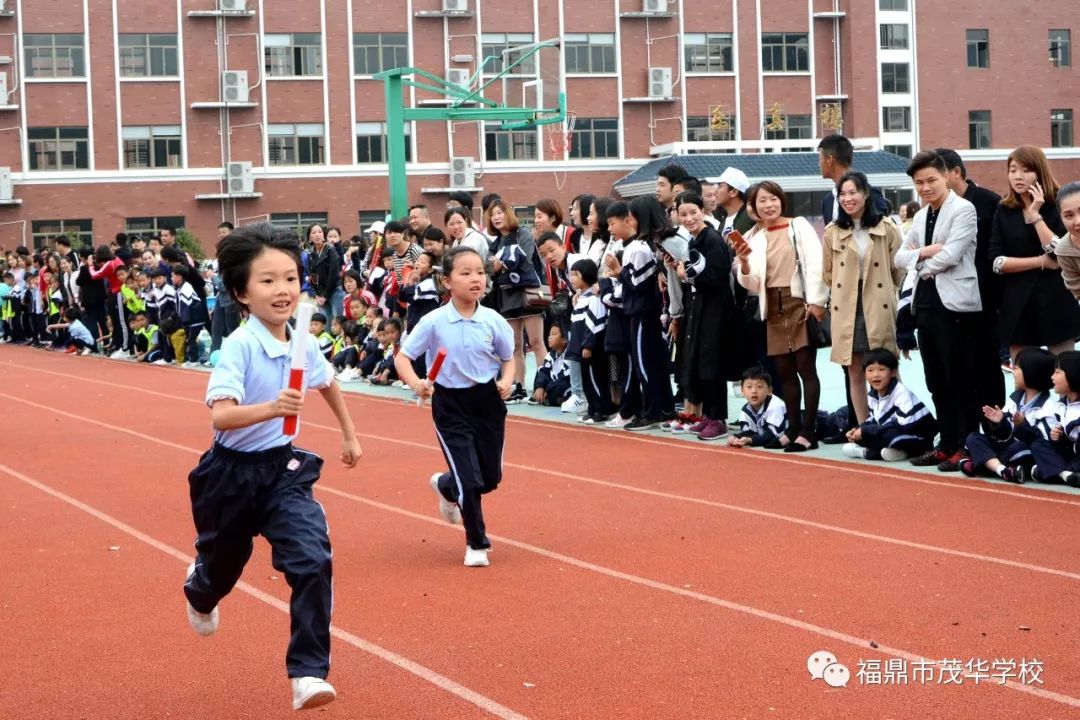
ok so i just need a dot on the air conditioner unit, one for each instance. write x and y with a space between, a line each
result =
3 5
462 172
234 86
656 6
659 82
3 87
232 5
239 177
459 77
7 192
455 5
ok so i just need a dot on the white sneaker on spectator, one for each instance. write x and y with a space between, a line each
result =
163 361
618 422
476 558
450 511
311 692
854 451
191 365
202 623
85 351
119 355
574 404
893 455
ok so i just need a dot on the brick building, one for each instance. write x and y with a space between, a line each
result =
114 116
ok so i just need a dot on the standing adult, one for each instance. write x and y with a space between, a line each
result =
857 266
1067 247
558 262
167 237
63 248
945 301
459 230
1036 309
580 237
325 272
92 295
419 219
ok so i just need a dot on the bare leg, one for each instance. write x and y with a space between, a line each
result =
535 326
518 326
857 382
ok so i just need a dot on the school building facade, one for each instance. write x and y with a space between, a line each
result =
129 115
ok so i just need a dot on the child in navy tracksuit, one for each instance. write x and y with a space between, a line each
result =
899 425
1005 449
1057 458
764 416
588 326
253 481
192 312
551 386
420 295
466 399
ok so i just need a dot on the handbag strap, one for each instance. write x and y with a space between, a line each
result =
799 263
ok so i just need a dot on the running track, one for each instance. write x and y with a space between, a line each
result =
634 577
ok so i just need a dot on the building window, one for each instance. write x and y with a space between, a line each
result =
894 37
896 119
155 146
589 52
785 52
796 127
892 5
895 78
1061 48
298 222
299 54
709 53
300 144
979 129
56 56
701 129
371 142
492 46
367 217
148 227
897 197
375 52
978 48
79 231
502 144
901 150
63 148
1061 128
148 56
595 138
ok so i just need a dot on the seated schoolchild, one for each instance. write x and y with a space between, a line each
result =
764 416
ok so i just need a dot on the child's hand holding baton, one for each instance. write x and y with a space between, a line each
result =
426 388
298 358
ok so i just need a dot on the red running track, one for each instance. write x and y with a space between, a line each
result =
634 577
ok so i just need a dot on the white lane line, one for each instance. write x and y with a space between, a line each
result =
442 682
1070 575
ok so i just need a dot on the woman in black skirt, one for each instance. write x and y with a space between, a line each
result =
1036 309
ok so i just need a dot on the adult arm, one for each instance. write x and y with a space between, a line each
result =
961 238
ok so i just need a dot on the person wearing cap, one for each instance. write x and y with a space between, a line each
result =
730 212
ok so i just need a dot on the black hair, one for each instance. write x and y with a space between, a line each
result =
839 147
691 197
926 159
1037 365
63 240
952 160
464 212
914 207
137 313
237 250
488 200
392 324
881 356
355 276
756 372
1069 363
432 258
394 227
85 251
340 320
72 313
179 269
227 226
378 310
462 198
584 202
103 254
9 274
171 255
672 173
333 228
450 257
169 229
354 331
653 223
121 238
312 226
601 204
870 217
381 326
587 269
689 184
319 318
434 233
418 206
22 250
548 237
1068 190
617 209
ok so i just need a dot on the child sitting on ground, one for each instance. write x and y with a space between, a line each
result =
75 335
385 373
317 327
764 416
1005 449
1058 457
551 386
899 425
147 339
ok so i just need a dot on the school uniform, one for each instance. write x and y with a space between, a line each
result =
469 414
148 341
553 377
617 347
420 299
254 482
764 424
648 350
1052 457
386 363
588 324
326 344
1005 441
192 311
898 420
12 314
373 350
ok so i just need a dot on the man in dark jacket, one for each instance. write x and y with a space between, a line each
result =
92 296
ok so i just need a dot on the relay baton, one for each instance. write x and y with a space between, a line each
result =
298 357
433 373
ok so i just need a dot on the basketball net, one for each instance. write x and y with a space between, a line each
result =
561 141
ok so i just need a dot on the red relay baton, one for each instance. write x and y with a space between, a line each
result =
433 373
298 358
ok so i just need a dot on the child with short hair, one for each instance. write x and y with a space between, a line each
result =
385 373
467 401
253 481
1057 457
764 416
899 425
75 336
192 312
7 306
588 326
551 385
1005 449
147 339
317 327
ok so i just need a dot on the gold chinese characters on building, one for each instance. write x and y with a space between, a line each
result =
832 116
777 119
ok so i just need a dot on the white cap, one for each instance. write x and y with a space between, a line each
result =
377 227
735 178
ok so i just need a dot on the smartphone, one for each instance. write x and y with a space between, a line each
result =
736 239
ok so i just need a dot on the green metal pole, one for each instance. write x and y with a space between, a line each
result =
395 146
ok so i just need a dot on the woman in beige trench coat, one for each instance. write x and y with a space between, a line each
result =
863 282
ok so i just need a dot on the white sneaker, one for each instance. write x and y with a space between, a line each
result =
893 455
618 422
450 511
854 451
120 355
574 404
311 692
85 351
202 623
476 558
160 362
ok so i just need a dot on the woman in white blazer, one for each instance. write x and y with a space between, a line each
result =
776 257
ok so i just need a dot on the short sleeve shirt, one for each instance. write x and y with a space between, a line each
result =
475 347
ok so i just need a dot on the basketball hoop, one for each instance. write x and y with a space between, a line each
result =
561 136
